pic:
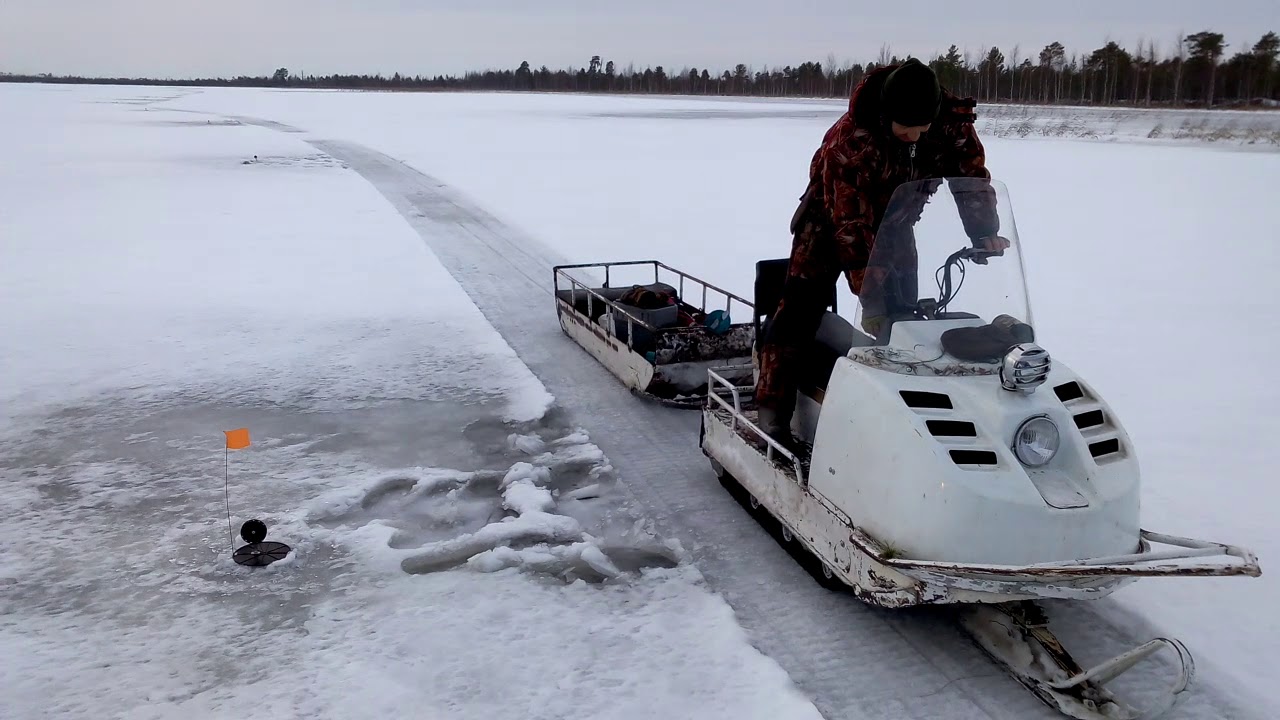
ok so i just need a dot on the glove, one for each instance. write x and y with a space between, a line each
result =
992 245
873 325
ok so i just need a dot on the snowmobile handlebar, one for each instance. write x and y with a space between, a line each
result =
928 308
976 254
946 290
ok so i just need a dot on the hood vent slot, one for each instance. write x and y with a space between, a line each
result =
952 428
927 400
1104 447
1093 418
1067 392
974 457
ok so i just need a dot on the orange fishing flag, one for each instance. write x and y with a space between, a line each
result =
237 439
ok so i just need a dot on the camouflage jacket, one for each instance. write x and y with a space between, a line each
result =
860 163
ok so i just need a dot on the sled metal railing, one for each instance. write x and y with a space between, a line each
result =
735 410
575 285
592 297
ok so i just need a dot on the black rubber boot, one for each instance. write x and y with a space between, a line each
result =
777 425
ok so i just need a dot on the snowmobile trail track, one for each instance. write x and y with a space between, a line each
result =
851 660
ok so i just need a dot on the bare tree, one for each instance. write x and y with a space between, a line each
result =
1138 64
1013 73
968 88
980 77
1151 58
1182 59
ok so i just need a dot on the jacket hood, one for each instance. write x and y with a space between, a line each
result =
865 106
864 103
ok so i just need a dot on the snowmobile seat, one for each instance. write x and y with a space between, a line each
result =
835 338
839 336
771 278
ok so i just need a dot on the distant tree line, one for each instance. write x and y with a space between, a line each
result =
1197 73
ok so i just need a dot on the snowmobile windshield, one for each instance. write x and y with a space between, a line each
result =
946 249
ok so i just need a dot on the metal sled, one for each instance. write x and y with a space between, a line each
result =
661 353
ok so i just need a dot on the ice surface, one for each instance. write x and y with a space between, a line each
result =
530 527
192 291
157 290
528 444
145 256
1149 261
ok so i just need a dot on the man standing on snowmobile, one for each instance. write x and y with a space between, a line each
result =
901 126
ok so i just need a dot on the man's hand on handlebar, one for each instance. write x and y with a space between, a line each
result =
990 246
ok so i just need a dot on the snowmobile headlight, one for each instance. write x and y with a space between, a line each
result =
1025 367
1036 441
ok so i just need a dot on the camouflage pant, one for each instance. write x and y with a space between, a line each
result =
816 263
814 267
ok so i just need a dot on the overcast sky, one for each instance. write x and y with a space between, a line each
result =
189 38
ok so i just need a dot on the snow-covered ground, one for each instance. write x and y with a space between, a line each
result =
160 285
1149 264
1139 254
1251 129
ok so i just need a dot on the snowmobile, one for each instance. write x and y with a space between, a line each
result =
660 339
949 460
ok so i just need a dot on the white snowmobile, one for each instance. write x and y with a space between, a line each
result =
950 460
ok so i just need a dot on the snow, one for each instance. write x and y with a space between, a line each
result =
528 444
158 290
1141 251
522 492
1243 129
126 272
189 293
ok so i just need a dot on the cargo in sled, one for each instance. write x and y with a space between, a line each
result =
659 335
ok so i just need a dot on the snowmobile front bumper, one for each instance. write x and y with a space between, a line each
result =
1079 579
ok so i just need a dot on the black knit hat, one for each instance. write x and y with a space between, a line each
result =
911 94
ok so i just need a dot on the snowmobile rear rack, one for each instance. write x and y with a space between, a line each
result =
774 451
662 352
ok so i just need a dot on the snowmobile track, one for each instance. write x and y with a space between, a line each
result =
851 660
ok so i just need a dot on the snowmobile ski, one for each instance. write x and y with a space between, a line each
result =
1016 635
